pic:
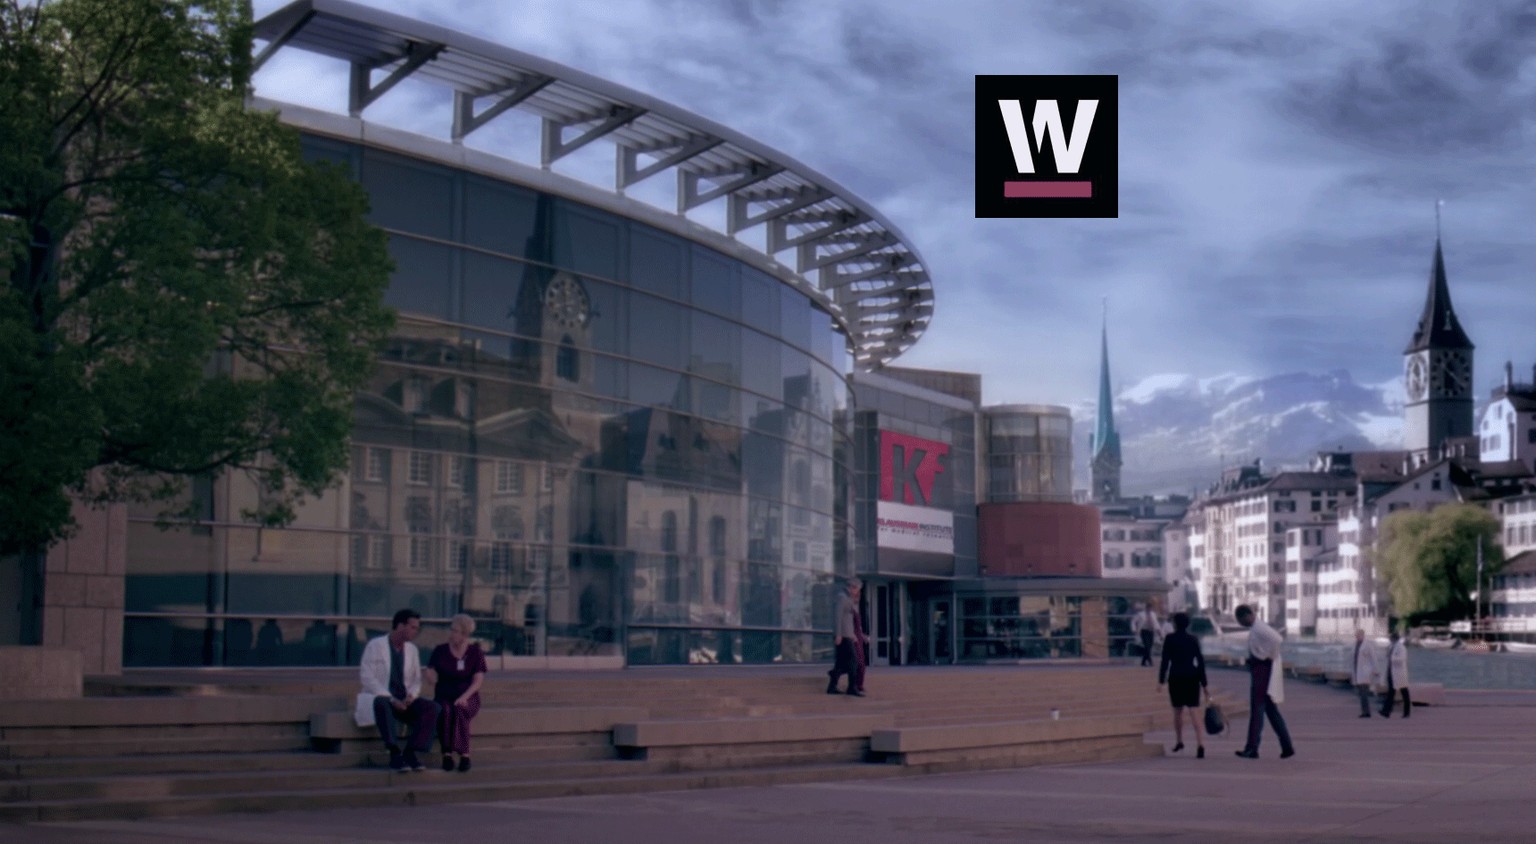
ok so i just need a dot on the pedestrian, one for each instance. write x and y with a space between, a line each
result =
1266 685
1183 668
848 640
1145 625
457 669
1397 677
1365 671
391 679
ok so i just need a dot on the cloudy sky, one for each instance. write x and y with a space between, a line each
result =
1279 162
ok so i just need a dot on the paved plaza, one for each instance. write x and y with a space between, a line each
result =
1458 772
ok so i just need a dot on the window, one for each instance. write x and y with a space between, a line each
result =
421 553
370 551
568 360
420 468
376 467
501 556
418 396
458 555
509 477
717 583
456 472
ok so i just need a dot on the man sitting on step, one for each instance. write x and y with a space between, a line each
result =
391 678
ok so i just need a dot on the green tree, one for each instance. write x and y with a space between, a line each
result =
1429 560
186 294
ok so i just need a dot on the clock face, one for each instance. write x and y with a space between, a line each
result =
566 302
1416 378
1451 374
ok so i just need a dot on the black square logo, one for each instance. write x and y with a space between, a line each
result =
1047 146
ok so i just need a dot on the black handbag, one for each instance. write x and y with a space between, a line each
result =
1215 722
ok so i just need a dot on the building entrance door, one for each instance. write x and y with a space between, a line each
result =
887 604
940 633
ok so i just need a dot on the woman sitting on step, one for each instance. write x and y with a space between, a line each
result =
457 669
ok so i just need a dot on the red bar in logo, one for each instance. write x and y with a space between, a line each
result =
1048 190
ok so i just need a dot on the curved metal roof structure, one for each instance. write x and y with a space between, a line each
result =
874 280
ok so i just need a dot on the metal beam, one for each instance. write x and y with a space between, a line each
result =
809 260
466 121
740 217
555 147
890 266
277 43
629 159
780 239
688 195
364 93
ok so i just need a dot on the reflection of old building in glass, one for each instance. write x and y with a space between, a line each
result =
601 428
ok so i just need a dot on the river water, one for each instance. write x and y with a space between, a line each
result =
1456 669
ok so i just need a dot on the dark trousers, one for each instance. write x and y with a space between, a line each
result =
421 715
844 662
1146 647
1391 698
1261 705
1364 690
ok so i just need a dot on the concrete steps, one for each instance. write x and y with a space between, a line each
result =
420 789
249 745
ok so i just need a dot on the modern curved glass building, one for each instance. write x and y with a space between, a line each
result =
604 427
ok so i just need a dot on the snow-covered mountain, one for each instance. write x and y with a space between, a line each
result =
1177 431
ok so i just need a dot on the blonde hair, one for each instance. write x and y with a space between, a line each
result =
462 623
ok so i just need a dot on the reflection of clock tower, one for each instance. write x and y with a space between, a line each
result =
567 331
1437 374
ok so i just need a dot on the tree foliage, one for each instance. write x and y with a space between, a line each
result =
186 294
1429 560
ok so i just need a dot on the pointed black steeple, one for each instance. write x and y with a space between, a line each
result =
1104 447
1438 326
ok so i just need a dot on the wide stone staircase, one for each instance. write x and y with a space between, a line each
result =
167 743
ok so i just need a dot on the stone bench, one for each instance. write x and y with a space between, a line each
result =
833 736
333 731
1009 744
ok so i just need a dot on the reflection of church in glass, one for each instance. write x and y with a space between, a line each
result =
602 427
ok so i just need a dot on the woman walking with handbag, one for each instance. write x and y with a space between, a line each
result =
1183 669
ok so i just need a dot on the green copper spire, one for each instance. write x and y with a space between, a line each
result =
1105 438
1105 446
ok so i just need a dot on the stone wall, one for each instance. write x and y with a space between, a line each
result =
83 589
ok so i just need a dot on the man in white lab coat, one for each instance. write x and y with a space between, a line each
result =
1266 685
1365 671
391 678
1145 625
1397 678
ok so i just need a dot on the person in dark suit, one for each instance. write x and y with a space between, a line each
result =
1183 669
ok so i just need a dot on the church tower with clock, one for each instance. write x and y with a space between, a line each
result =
1437 373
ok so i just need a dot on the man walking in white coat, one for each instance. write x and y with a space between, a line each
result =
1397 677
1145 625
391 678
1266 685
1365 671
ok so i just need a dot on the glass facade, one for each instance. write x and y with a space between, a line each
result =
1013 621
593 436
1029 453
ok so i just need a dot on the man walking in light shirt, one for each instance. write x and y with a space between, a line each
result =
1266 685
